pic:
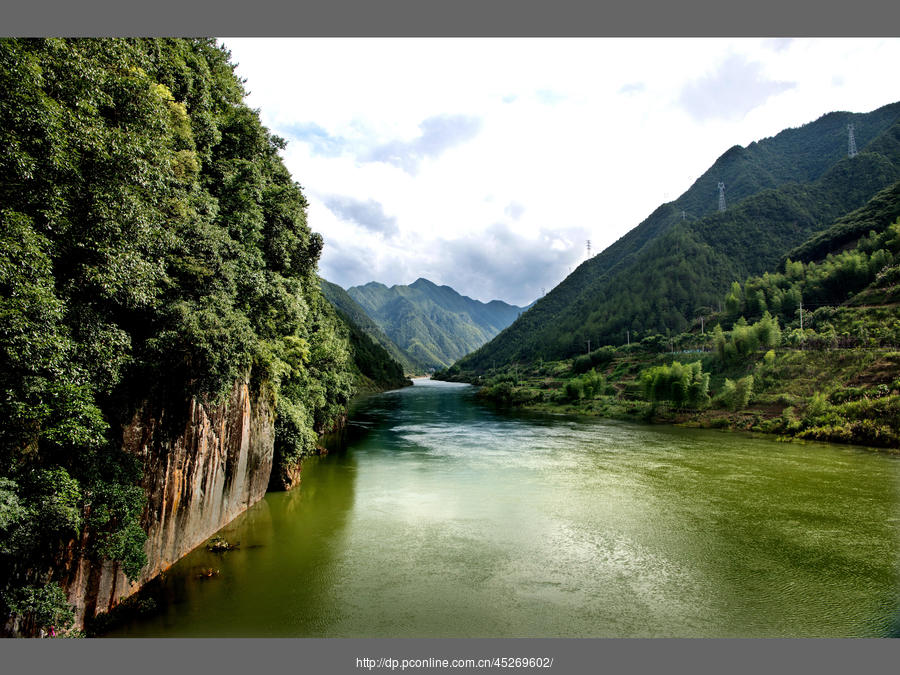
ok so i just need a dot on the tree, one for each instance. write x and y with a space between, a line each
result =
680 384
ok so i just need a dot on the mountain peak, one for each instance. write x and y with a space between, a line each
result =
435 325
780 191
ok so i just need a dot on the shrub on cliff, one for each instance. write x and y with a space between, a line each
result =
152 245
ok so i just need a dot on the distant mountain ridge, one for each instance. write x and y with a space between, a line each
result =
354 314
662 274
433 324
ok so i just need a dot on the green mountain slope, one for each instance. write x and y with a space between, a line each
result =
808 350
434 324
374 351
879 212
846 278
673 266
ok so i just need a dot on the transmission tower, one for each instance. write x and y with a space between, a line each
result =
851 142
721 196
588 248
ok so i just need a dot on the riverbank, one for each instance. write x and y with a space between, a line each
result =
837 395
442 517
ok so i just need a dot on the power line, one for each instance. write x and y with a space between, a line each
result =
721 196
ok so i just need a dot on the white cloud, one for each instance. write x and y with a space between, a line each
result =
438 134
367 214
734 89
484 164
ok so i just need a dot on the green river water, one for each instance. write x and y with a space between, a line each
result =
442 517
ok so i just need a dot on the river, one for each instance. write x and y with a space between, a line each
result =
443 517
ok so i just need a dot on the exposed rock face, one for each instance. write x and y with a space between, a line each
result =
286 476
197 478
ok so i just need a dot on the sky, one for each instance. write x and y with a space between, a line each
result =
487 164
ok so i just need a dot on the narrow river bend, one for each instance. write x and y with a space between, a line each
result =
446 518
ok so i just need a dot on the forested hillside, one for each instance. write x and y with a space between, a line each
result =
808 349
356 315
152 246
672 267
373 351
433 324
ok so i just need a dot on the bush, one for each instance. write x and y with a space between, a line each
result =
680 384
42 607
574 390
581 364
736 395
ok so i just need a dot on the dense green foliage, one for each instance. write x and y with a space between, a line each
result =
433 324
880 211
671 269
861 276
356 317
683 385
152 246
595 359
837 379
743 339
736 395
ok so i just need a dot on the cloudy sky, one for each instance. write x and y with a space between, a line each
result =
487 164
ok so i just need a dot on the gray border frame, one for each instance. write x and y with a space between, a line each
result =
444 18
735 657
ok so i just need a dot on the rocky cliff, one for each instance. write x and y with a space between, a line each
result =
202 466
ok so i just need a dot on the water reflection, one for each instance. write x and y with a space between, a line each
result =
434 515
280 581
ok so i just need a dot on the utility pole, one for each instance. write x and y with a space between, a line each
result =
627 337
588 248
702 331
721 196
851 142
589 346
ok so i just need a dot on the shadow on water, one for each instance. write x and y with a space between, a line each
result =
278 582
895 629
437 515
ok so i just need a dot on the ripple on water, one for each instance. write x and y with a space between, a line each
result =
446 518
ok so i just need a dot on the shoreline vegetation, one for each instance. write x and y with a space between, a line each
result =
820 360
861 408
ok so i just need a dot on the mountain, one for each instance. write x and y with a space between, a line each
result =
807 350
433 324
674 266
371 345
